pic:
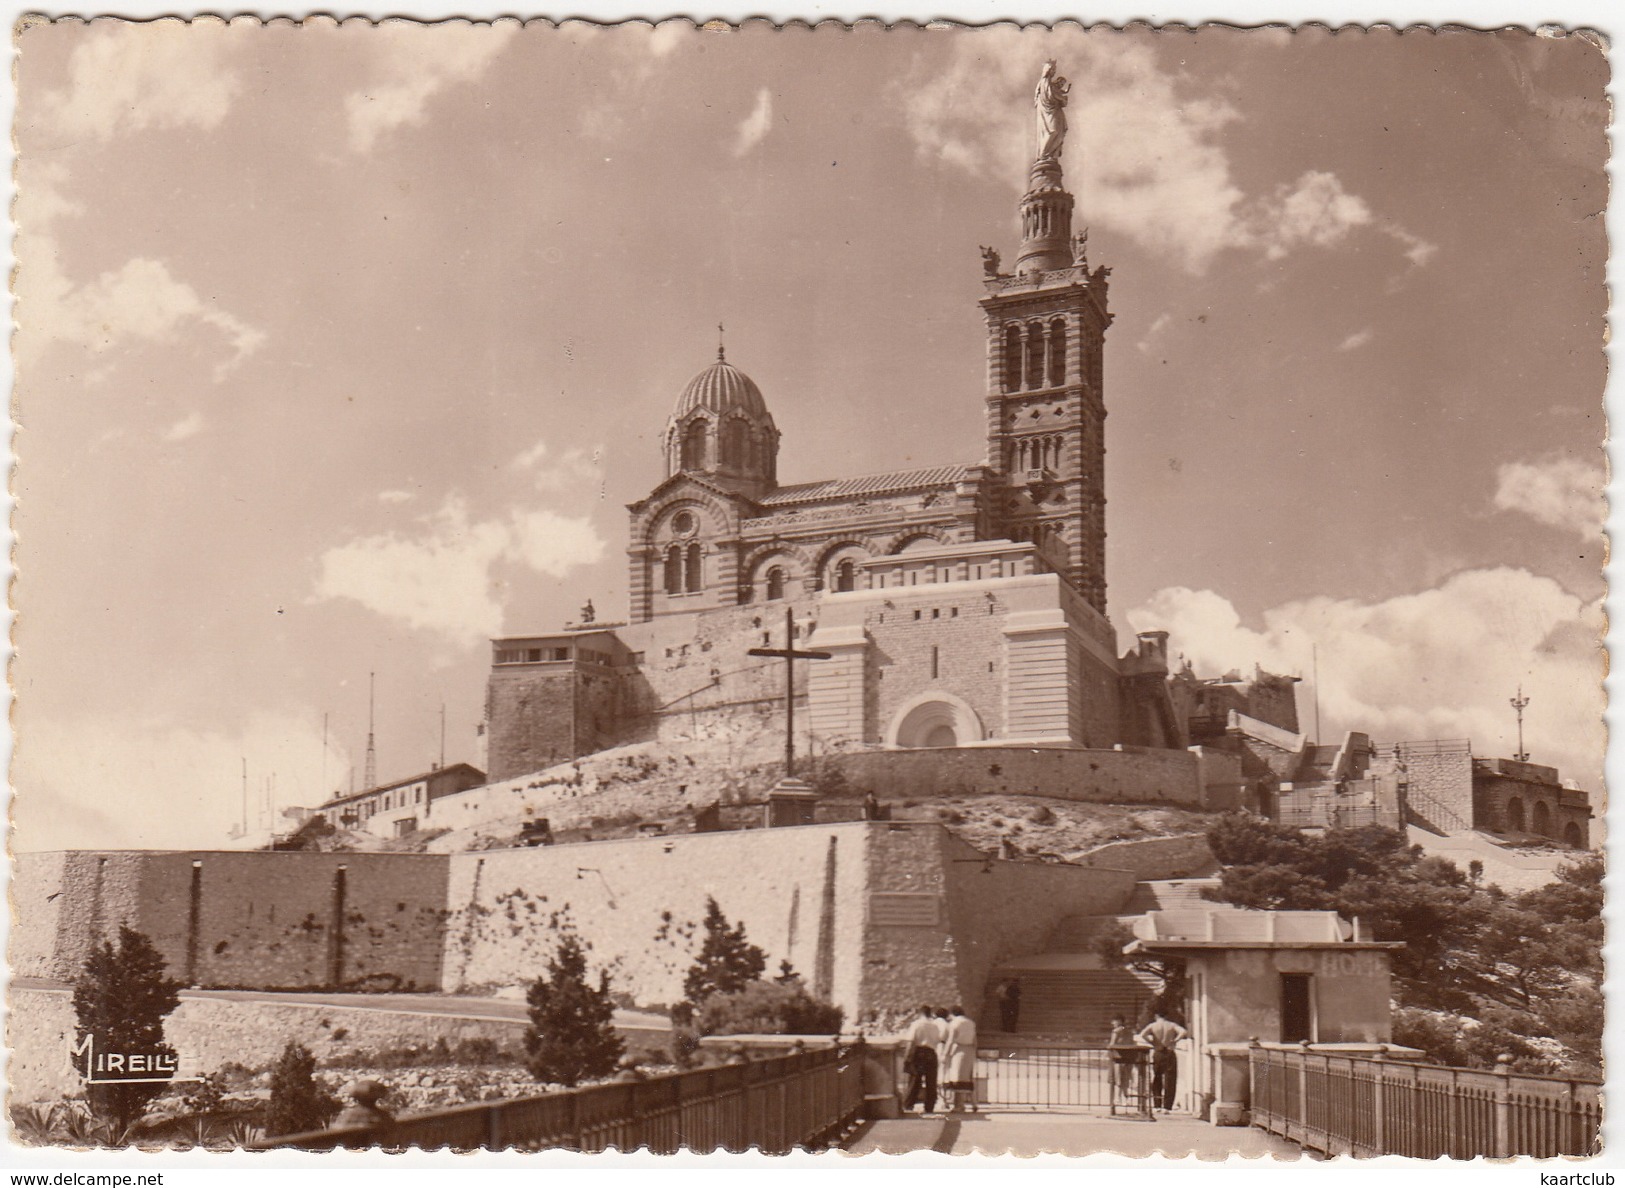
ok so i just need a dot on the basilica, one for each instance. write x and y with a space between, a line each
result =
959 605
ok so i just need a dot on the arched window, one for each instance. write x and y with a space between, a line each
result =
1515 815
733 444
674 569
846 576
775 583
694 576
1057 353
1035 356
1012 358
694 446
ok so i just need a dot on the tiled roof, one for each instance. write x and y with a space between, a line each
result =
869 484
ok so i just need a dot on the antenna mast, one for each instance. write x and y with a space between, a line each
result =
369 778
1518 703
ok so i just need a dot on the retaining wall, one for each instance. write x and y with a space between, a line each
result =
1129 776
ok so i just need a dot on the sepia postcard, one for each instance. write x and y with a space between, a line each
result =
807 588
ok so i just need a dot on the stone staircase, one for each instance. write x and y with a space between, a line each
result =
1069 993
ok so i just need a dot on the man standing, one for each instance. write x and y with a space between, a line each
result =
1009 1005
1162 1033
920 1061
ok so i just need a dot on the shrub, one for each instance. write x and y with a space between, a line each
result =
571 1036
769 1008
121 998
299 1102
727 961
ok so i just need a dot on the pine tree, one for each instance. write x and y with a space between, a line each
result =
298 1102
571 1036
727 962
121 998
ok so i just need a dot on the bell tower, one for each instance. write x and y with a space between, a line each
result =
1046 326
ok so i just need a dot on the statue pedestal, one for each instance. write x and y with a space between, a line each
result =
790 802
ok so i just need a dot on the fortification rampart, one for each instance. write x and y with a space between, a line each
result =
1131 775
871 914
262 920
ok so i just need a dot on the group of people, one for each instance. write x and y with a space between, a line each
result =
1161 1035
941 1051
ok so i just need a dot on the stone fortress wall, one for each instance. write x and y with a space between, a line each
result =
876 916
232 919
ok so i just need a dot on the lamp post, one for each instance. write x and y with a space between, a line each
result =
1518 703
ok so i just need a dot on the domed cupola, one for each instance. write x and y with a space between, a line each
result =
721 428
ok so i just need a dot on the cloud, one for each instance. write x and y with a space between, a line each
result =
1356 340
753 129
140 301
1314 210
1142 152
574 470
1562 492
394 496
1417 250
414 63
444 578
188 426
128 76
1156 327
179 787
1436 664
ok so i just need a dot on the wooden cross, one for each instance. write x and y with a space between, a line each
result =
790 655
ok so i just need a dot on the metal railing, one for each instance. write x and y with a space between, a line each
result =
801 1100
1349 1105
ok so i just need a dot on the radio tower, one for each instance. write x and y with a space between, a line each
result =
369 776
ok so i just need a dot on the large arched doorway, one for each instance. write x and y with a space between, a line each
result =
1540 820
934 720
1515 815
1573 837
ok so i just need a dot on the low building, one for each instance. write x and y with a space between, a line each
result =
401 807
1294 978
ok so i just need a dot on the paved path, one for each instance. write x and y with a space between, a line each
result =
506 1010
1064 1132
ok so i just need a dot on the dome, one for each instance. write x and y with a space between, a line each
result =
721 388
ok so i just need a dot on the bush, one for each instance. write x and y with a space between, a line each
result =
121 999
571 1036
727 961
1450 1039
769 1008
299 1102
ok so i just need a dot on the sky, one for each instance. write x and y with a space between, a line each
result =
342 348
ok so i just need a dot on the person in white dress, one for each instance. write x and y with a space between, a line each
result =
959 1061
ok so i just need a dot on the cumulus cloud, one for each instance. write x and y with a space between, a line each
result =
137 784
394 496
188 426
140 301
128 76
1356 340
414 63
1436 664
444 578
1142 151
753 129
1315 210
1562 492
574 470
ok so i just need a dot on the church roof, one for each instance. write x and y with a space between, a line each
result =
721 388
868 484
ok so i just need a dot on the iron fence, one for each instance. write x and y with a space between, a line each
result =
780 1104
1060 1075
1350 1105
